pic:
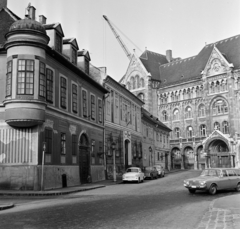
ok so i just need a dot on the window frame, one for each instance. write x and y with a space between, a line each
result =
84 103
63 140
9 78
58 42
93 106
42 79
74 98
100 111
63 92
49 85
25 71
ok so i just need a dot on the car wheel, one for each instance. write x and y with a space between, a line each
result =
238 187
213 189
192 190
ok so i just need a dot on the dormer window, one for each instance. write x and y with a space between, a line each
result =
58 43
74 56
86 66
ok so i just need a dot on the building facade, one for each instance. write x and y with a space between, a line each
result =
198 98
123 129
51 112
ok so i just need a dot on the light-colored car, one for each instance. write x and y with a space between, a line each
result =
214 179
150 172
161 171
133 174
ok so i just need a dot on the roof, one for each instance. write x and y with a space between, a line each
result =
85 53
152 61
72 41
191 68
56 26
154 120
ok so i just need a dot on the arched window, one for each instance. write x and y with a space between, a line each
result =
219 107
197 92
128 86
188 112
132 82
216 126
201 111
176 96
141 96
137 81
225 127
218 86
189 93
184 94
176 132
189 132
164 116
203 130
176 114
142 82
189 152
172 97
161 99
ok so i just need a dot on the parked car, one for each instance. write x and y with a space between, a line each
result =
133 174
214 179
160 169
150 172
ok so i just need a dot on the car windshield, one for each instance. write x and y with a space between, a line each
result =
210 172
132 170
148 168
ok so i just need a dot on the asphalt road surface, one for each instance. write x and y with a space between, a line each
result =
162 203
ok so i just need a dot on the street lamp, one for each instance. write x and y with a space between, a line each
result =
114 160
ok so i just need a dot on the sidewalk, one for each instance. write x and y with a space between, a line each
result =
224 213
60 191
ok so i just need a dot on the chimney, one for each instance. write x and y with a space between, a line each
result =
169 55
42 19
3 4
32 11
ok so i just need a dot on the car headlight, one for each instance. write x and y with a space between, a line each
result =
186 182
202 182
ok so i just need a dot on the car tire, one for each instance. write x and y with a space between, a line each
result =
238 187
213 189
192 190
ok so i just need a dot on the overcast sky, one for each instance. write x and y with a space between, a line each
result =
184 26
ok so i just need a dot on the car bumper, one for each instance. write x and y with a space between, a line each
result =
130 179
196 187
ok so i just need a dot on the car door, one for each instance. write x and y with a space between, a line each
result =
232 178
224 181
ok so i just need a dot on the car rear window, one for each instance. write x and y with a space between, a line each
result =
132 170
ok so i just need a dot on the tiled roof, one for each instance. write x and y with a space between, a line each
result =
152 62
192 67
154 119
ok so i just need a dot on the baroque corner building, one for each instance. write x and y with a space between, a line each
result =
198 98
50 104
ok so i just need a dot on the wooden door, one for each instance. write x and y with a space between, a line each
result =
84 164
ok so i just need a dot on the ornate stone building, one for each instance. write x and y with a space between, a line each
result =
198 98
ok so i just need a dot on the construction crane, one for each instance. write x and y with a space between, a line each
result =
118 38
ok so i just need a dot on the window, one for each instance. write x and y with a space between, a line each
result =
188 112
84 97
225 127
74 56
132 83
42 80
48 140
63 92
164 116
201 111
74 98
100 111
25 77
93 107
58 43
189 132
203 130
86 66
137 81
74 145
176 114
220 107
49 85
9 79
176 132
63 143
216 126
142 82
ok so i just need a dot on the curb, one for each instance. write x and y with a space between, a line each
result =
6 206
50 194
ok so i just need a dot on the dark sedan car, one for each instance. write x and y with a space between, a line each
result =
214 179
150 172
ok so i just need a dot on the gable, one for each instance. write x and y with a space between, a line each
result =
216 64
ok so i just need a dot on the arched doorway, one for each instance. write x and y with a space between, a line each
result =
84 159
188 158
219 156
176 158
126 155
200 157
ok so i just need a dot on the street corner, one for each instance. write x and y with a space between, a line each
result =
4 206
228 202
